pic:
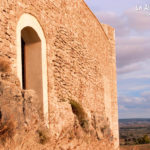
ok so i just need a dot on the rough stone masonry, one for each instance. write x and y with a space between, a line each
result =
76 61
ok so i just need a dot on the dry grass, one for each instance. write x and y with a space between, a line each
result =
7 130
43 136
81 115
4 65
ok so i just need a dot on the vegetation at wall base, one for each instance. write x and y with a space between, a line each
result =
80 113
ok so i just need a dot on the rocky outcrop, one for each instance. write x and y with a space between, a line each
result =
22 128
19 116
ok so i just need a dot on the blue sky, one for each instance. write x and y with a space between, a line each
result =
133 52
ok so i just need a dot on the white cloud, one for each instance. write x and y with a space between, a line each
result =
133 59
138 20
131 47
122 108
116 21
139 87
133 100
129 68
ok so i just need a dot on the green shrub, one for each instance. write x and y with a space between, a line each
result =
143 140
80 113
146 139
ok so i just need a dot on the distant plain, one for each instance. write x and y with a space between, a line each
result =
134 134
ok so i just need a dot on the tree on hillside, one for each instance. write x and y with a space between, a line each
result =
143 140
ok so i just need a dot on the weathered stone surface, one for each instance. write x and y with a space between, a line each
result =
81 66
19 108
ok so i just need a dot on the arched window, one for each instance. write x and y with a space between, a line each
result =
31 60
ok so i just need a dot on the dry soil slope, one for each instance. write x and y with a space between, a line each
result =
136 147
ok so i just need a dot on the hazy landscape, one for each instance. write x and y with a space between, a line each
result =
134 134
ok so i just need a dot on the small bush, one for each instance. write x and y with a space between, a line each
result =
80 113
7 130
4 65
143 140
43 137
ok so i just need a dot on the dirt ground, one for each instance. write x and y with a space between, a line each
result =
136 147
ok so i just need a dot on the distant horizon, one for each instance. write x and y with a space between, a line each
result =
132 118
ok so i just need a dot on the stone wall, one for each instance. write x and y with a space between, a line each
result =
113 111
81 61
